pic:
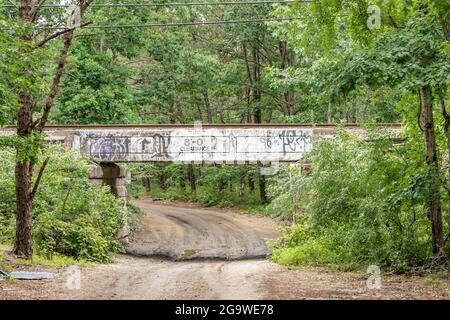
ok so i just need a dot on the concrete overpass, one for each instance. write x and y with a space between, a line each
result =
230 143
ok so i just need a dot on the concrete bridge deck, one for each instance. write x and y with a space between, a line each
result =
231 143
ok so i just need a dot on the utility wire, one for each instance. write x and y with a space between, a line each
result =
175 4
176 24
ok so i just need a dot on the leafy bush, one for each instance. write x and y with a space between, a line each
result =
71 216
362 203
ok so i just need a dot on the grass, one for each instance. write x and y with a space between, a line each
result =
4 266
55 261
3 248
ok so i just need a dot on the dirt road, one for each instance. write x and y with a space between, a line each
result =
183 234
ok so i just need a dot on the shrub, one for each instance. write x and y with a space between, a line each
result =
71 216
362 203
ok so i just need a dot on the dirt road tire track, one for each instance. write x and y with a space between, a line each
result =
193 233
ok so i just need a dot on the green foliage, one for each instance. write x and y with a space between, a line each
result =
362 204
71 217
95 91
216 186
15 58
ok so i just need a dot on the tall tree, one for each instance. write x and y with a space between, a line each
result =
29 129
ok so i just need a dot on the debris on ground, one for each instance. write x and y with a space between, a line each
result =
26 275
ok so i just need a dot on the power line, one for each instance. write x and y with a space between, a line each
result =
175 4
177 24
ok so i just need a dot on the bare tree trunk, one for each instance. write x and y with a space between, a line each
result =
162 180
447 134
182 182
434 211
23 244
199 109
191 175
146 183
222 186
251 182
208 106
256 91
262 187
258 117
447 126
286 59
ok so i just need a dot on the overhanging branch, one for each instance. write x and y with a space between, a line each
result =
38 179
59 33
35 10
50 101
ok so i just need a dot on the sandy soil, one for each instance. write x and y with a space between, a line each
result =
182 234
194 233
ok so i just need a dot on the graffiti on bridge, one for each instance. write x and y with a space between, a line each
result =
199 145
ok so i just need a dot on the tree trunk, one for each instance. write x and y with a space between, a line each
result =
222 186
258 119
146 183
447 134
23 244
256 91
162 180
199 110
434 210
286 60
330 110
447 125
208 106
262 188
182 179
251 182
191 175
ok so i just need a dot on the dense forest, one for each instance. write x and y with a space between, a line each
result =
320 61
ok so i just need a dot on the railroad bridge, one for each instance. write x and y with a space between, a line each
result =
196 143
110 147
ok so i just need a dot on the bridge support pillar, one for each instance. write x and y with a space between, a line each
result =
116 176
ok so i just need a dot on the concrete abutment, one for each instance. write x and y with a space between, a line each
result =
116 176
